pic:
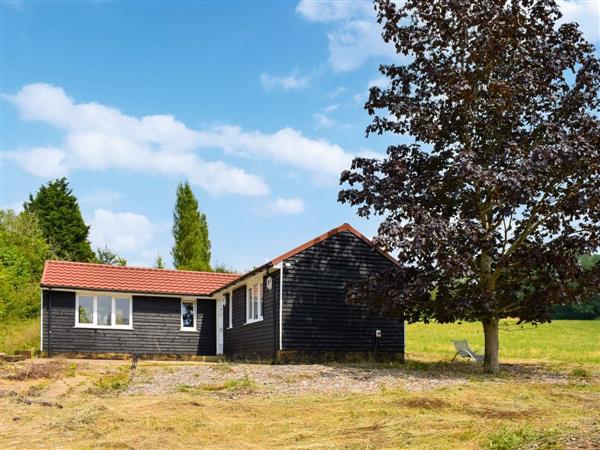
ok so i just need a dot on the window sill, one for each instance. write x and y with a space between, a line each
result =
189 330
248 322
103 327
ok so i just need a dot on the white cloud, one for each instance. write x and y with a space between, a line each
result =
286 146
586 13
330 11
323 121
354 36
355 42
123 232
47 162
101 197
284 83
287 206
99 137
331 108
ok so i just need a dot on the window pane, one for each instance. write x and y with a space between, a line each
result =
104 309
187 315
86 309
121 311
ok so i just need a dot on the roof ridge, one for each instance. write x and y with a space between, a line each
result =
140 268
332 232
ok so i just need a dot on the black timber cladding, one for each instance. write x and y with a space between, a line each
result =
256 338
156 328
316 316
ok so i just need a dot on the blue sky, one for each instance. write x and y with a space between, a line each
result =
258 104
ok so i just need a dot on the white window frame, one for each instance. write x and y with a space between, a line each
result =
94 324
250 316
195 310
229 309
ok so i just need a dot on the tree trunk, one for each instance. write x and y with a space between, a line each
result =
490 360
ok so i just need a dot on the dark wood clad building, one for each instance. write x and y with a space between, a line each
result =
293 305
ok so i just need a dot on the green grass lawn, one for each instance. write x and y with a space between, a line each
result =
562 341
20 335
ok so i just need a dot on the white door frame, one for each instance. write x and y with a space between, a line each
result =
220 325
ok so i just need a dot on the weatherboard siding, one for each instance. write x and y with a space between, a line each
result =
316 316
156 328
256 339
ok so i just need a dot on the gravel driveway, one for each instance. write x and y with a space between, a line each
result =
263 379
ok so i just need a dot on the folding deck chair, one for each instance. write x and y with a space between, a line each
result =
462 348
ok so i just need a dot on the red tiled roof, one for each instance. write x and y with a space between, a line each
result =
103 277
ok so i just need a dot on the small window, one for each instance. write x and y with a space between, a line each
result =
188 315
103 311
254 302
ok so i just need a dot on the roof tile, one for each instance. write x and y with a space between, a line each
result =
64 274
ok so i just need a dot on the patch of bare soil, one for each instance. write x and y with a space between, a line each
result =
33 369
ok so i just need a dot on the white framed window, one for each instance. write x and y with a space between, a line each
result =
254 302
188 314
229 301
94 310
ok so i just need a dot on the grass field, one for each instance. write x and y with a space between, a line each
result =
547 396
21 335
556 343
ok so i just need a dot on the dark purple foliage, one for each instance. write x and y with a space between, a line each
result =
490 208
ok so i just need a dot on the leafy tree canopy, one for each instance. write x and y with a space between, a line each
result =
500 192
222 268
60 219
23 250
589 309
107 256
191 250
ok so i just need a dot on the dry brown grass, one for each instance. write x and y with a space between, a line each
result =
492 413
33 370
547 397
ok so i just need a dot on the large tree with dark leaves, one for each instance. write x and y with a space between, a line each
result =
60 219
491 206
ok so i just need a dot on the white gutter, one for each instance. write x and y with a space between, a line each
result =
280 267
41 320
